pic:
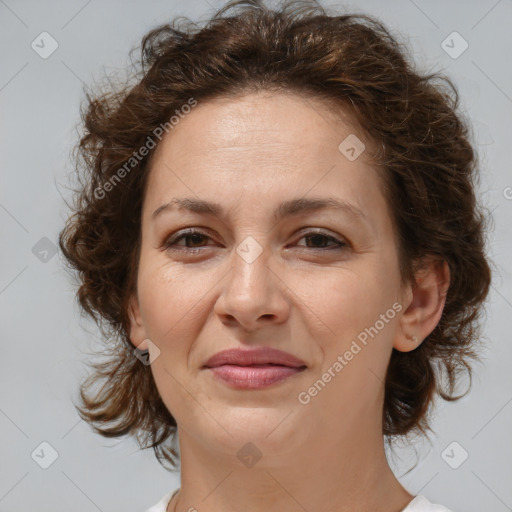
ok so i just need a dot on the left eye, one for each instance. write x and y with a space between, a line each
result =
196 237
317 237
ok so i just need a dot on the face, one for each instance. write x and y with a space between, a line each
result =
321 284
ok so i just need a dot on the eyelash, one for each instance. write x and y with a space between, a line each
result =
170 243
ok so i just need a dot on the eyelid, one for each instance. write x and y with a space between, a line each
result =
186 231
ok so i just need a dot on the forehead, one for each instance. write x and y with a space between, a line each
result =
259 121
263 145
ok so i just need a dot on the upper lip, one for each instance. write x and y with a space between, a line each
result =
248 357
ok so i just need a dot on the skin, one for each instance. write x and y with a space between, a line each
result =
250 153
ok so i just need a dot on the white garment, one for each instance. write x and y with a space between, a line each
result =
421 504
162 505
418 504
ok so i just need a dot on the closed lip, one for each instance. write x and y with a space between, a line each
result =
254 356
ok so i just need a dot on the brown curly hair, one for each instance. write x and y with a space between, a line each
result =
350 60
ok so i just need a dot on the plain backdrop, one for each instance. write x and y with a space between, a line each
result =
44 340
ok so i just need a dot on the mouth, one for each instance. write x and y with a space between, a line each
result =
255 368
254 376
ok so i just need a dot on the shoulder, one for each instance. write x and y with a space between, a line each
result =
161 506
421 504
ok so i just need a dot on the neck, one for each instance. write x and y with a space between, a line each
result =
349 473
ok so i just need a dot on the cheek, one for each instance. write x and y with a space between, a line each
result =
168 299
348 301
171 306
358 323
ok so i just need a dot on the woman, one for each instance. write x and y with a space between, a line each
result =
279 225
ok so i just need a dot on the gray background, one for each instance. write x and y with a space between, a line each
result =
44 341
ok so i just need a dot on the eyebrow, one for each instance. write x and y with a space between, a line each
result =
285 209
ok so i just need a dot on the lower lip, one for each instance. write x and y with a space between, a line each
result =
253 377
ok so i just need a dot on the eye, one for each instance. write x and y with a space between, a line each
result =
320 238
192 235
195 240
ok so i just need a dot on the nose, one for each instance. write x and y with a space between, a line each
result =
253 296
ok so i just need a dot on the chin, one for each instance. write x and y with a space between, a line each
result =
270 429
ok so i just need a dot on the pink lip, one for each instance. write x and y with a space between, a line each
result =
248 357
254 368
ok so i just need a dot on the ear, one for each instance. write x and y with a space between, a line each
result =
137 331
424 306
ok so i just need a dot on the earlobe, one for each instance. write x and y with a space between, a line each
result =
426 305
137 332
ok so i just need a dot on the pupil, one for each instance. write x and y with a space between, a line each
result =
317 238
196 238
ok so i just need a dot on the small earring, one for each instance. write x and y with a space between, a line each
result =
412 338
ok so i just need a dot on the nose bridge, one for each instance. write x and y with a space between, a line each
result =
252 291
250 272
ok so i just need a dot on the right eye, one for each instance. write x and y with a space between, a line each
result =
192 235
